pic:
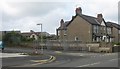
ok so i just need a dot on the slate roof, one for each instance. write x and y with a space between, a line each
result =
113 25
90 19
65 25
108 24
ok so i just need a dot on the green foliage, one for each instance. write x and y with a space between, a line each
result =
12 38
0 38
45 38
17 39
116 43
25 39
30 39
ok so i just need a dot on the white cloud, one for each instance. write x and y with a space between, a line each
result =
109 9
50 22
26 14
9 9
119 12
41 0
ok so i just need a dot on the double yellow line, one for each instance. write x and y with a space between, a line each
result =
51 59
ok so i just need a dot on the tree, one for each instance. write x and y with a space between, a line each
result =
12 39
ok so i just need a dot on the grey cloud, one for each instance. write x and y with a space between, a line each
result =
33 9
49 13
119 12
37 8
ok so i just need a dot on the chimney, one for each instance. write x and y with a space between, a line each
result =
78 10
31 31
99 17
73 17
61 23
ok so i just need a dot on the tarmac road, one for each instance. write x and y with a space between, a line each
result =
64 59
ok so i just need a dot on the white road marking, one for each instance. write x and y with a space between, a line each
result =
113 59
89 64
38 62
58 52
101 55
7 55
97 63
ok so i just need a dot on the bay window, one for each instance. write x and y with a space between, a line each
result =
109 31
95 28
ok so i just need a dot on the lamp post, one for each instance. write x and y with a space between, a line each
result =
41 38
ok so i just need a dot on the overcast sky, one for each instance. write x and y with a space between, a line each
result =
23 15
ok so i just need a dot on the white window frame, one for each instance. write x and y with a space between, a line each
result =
95 28
58 32
97 39
109 30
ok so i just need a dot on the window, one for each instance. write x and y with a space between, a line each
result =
33 36
103 29
97 39
119 31
95 28
76 38
109 30
58 33
65 32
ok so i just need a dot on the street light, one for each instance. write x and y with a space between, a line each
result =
41 38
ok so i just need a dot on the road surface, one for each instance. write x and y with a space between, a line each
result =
64 59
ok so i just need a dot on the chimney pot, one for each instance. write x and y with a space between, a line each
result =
99 18
78 10
61 23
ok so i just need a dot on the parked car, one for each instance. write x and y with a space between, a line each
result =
1 46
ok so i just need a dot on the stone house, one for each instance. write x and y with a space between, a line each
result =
115 31
34 35
88 28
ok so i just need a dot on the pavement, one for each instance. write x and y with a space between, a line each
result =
8 55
